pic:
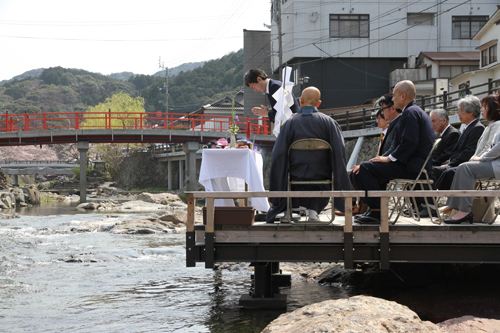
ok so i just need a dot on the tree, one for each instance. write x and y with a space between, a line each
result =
130 109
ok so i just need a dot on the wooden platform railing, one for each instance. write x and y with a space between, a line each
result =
348 230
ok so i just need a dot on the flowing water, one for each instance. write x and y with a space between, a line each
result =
55 279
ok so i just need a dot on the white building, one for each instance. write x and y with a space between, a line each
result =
348 48
487 38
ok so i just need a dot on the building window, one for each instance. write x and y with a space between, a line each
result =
420 18
429 72
350 26
465 27
447 71
484 57
493 53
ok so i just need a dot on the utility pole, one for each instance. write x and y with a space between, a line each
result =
162 66
280 39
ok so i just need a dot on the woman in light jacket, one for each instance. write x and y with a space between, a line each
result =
484 164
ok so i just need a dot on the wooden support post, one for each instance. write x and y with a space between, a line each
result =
348 236
384 233
209 235
190 234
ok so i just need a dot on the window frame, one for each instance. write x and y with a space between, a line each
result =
470 19
363 25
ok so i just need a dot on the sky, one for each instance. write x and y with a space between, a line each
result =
112 36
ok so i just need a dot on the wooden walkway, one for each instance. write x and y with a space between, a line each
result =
342 241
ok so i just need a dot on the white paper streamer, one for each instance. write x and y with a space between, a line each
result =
284 101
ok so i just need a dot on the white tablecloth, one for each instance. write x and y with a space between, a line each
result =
229 169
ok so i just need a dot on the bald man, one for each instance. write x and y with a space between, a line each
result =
308 165
413 136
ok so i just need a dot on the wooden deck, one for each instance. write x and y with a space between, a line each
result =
342 240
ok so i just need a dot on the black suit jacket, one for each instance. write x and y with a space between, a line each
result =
466 145
448 141
274 86
414 136
388 143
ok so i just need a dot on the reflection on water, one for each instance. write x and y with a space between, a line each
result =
48 208
53 279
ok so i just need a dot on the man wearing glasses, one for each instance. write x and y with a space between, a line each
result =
387 115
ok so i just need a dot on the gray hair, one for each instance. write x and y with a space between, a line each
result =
441 113
470 104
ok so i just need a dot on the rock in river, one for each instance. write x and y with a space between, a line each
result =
355 314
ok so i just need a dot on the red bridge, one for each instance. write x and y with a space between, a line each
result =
125 127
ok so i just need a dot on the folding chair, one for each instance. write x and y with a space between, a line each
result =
484 184
310 144
410 184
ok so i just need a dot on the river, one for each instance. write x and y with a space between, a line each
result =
55 279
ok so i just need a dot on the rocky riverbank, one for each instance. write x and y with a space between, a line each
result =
370 314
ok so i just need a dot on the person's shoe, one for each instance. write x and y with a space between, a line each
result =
361 215
406 213
425 213
372 218
469 217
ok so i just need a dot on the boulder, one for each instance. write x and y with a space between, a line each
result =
355 314
4 184
145 226
6 200
159 198
18 194
176 217
470 324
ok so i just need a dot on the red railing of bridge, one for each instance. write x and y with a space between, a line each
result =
126 120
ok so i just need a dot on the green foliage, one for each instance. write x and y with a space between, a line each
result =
191 89
76 172
130 109
17 90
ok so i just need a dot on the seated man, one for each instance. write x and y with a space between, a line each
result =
413 140
390 118
469 110
449 136
308 165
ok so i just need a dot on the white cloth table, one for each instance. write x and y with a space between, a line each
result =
228 170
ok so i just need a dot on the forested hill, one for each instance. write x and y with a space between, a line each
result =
67 90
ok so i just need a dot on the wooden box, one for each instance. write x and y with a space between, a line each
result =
231 215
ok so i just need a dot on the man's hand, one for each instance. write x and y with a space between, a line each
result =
355 169
261 111
475 158
382 159
444 165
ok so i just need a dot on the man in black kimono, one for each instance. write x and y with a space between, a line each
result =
308 165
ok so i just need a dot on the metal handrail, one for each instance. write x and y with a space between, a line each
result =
29 122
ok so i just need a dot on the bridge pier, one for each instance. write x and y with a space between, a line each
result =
15 179
83 148
181 174
190 148
169 176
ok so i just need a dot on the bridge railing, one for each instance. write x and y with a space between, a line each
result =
6 162
127 120
353 120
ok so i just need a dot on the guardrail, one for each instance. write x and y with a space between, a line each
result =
5 162
352 120
127 120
